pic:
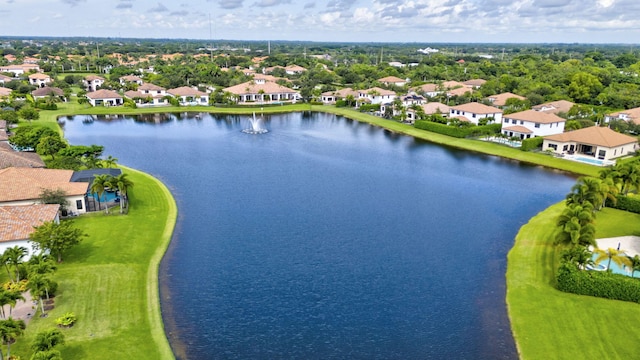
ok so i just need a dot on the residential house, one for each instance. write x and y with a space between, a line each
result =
459 91
555 107
148 95
597 142
24 186
12 158
475 111
428 109
189 96
104 97
531 123
45 92
376 95
294 70
5 93
262 92
10 58
474 83
271 69
17 223
39 79
92 82
500 100
5 79
429 90
392 80
330 97
632 115
130 79
449 85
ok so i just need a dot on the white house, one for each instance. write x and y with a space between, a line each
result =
5 79
17 224
597 142
189 96
474 83
376 95
392 80
531 123
294 70
262 92
330 97
93 82
626 115
104 97
23 186
130 79
148 95
430 90
475 111
39 79
428 109
554 107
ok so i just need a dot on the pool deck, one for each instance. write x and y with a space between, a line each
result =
630 244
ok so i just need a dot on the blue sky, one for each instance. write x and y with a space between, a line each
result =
423 21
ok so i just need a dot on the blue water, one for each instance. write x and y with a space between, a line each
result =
587 160
615 268
327 238
106 196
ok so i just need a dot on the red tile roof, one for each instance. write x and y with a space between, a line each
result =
477 108
535 117
594 135
17 222
21 183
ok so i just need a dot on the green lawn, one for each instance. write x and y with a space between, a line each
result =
110 281
549 324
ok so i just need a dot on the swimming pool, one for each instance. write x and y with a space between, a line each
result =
615 268
592 161
107 196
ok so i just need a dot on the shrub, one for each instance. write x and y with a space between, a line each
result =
626 203
531 143
599 284
472 131
66 320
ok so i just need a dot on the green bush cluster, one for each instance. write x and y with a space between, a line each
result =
472 131
599 284
532 143
626 203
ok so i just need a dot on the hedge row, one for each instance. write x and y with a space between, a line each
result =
626 203
597 283
458 132
532 143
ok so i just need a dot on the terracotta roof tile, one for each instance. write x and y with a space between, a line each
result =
535 117
21 183
477 108
17 222
104 94
594 135
186 91
501 99
518 128
251 87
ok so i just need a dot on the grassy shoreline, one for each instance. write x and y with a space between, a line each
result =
549 324
49 118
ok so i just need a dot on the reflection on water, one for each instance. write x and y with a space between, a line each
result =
328 238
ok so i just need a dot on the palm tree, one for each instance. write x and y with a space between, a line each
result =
579 255
98 187
617 256
110 162
635 264
608 191
47 355
123 184
576 224
5 299
13 296
586 189
10 330
14 257
5 261
37 285
47 340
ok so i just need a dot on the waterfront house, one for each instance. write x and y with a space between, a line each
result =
531 123
330 97
105 98
148 95
376 95
474 111
45 92
188 96
17 224
24 186
262 92
597 142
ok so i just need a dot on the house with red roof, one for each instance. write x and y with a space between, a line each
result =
104 97
597 142
262 92
148 95
92 82
23 186
392 80
39 79
188 96
17 224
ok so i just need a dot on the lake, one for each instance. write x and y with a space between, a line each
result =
328 238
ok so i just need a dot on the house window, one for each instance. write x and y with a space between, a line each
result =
565 148
537 125
553 146
514 121
79 204
506 121
602 154
473 116
521 122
